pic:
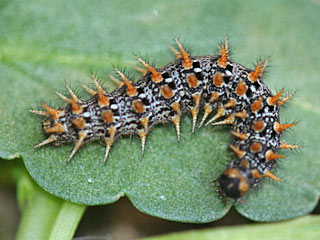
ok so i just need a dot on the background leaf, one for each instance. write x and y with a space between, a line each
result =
301 228
45 216
50 43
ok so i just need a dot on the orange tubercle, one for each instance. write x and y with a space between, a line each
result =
131 89
273 100
257 72
138 106
79 122
238 152
57 128
187 61
278 127
108 116
288 146
241 88
242 114
155 75
192 81
270 175
257 105
242 136
255 147
270 155
218 79
231 103
166 92
224 54
53 112
214 97
258 126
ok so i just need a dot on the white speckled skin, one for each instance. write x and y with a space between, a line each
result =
158 108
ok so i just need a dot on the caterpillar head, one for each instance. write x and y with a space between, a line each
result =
57 130
234 183
56 126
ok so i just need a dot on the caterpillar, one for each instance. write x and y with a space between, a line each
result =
214 83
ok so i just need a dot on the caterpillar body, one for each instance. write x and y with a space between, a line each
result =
214 83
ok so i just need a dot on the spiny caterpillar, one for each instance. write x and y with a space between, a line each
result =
215 83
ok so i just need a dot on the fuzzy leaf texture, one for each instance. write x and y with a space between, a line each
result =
52 43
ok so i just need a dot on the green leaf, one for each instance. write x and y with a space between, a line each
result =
10 171
43 215
302 228
51 43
